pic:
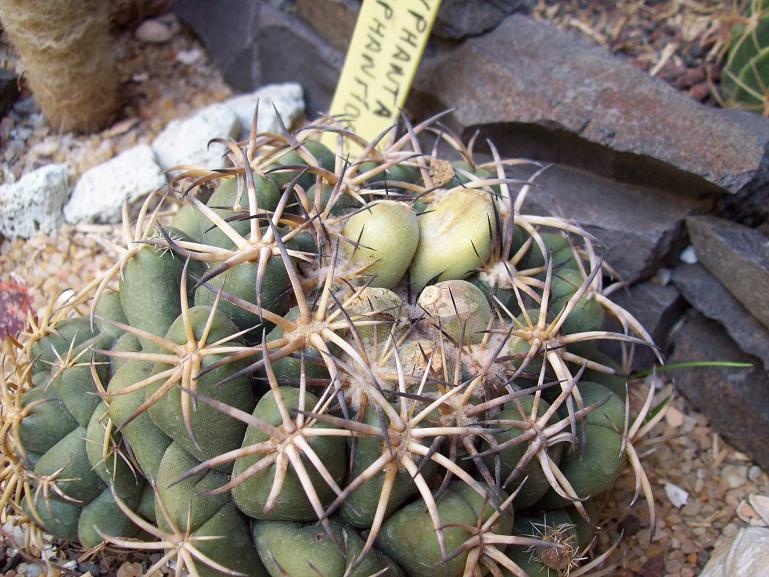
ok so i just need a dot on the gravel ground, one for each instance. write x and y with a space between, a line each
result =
719 483
679 41
167 81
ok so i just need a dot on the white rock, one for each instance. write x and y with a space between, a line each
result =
186 141
287 98
100 192
154 32
747 555
677 496
33 204
688 256
760 504
189 56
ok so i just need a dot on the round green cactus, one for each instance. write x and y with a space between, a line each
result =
745 75
331 366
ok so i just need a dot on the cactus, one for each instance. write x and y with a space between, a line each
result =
745 75
334 367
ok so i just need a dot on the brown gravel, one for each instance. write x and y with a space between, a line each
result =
717 478
679 41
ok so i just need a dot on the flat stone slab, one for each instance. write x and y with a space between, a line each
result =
185 141
738 256
735 400
703 291
640 229
536 91
33 204
657 308
101 190
547 93
254 43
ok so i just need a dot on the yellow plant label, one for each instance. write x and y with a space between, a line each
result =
384 53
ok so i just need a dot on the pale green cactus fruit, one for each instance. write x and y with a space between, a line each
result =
383 239
455 237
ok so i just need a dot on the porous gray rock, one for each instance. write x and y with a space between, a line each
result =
706 294
640 229
185 141
286 100
33 204
540 92
735 400
738 256
99 194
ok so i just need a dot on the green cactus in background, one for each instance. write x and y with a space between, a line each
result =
329 368
745 75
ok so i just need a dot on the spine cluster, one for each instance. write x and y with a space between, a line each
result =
312 364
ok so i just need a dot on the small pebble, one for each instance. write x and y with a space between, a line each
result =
26 105
630 525
700 91
45 148
154 32
677 496
730 530
760 505
663 277
692 509
690 77
735 476
93 568
688 255
654 567
754 473
674 417
189 56
747 514
13 149
673 567
128 569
